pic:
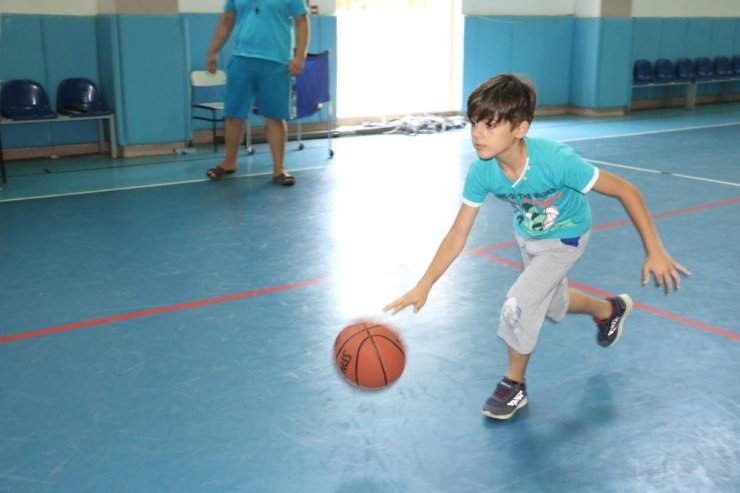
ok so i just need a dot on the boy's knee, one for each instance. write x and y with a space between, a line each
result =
510 314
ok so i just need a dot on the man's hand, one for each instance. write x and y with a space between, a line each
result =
212 62
295 67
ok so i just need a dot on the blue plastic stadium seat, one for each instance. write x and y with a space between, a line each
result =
704 70
684 70
664 71
80 97
643 72
24 99
722 68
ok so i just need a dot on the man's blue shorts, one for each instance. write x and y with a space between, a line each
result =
258 83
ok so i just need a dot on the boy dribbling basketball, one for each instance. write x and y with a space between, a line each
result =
546 184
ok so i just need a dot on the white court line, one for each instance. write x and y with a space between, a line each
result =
650 132
151 185
167 184
667 173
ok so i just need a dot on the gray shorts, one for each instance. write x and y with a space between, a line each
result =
540 291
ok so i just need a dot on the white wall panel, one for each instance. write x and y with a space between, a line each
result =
686 8
50 7
325 7
201 6
518 7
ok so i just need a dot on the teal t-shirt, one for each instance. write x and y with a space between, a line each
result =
548 199
264 28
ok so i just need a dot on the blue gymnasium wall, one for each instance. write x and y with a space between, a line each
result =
587 62
140 63
537 46
601 75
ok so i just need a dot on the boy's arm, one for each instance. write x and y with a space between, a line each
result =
223 30
657 260
448 250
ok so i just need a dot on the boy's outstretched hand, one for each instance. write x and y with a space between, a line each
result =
416 297
667 272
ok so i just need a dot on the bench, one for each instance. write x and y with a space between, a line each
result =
688 73
110 118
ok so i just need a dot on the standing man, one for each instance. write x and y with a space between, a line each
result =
260 72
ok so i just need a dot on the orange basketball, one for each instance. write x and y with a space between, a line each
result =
369 355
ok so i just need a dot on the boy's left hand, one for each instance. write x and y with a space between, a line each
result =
667 272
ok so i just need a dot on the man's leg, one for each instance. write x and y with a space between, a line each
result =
233 132
277 133
233 135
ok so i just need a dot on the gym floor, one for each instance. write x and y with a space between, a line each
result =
160 332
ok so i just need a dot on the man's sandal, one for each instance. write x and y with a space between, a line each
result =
284 179
218 172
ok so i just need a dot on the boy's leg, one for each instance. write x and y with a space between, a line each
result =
529 300
510 394
579 302
517 365
609 314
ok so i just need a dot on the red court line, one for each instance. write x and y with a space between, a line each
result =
157 311
604 294
624 222
475 251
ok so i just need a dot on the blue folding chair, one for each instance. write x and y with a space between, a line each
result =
664 71
312 91
704 70
642 72
78 97
25 99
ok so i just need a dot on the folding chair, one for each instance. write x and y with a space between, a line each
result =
312 91
207 92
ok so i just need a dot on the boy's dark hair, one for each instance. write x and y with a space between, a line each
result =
504 97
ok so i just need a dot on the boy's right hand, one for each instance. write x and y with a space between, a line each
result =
416 297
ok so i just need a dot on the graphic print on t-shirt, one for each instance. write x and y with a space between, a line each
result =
534 215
